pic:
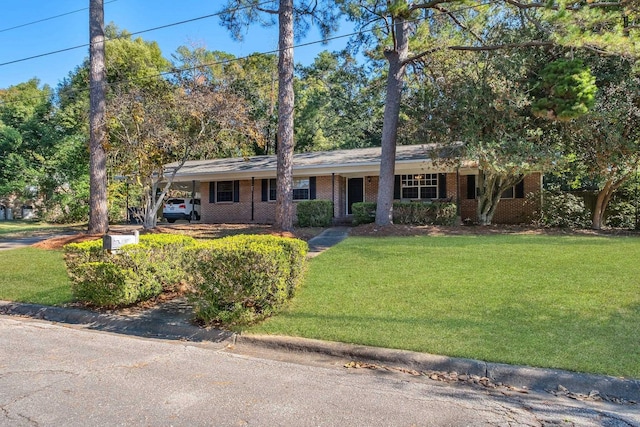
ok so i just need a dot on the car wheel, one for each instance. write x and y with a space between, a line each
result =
197 216
171 220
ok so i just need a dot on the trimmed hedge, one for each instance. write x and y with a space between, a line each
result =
244 278
363 212
429 213
315 213
136 273
414 213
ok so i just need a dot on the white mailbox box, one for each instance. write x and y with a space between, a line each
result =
113 242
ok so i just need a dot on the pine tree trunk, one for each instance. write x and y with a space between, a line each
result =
285 143
395 81
98 216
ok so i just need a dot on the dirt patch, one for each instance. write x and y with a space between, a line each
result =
197 231
215 231
468 230
59 242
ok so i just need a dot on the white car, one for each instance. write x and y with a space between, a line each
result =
177 208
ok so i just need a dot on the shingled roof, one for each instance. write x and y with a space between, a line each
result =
343 162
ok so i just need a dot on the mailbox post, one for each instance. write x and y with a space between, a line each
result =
113 242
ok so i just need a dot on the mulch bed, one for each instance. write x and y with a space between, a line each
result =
212 231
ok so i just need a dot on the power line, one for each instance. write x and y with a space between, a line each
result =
130 34
242 58
2 30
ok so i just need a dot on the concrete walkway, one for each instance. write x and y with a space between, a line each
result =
329 237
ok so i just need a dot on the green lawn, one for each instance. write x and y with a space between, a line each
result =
20 228
34 275
549 301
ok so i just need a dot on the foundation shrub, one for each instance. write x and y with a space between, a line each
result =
315 213
414 213
363 213
424 213
562 209
241 279
137 272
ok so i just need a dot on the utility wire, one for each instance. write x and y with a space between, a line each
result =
2 30
130 34
75 91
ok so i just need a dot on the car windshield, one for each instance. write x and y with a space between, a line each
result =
175 201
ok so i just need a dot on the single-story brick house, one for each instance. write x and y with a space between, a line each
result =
243 190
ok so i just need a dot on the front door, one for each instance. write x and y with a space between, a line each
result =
355 192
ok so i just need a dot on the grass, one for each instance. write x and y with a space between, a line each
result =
549 301
23 228
35 276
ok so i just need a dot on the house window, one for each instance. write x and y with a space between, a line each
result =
301 189
272 189
224 191
515 192
419 186
508 193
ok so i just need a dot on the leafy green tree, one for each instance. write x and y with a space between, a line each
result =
405 33
27 138
337 105
253 78
155 128
605 143
490 110
566 89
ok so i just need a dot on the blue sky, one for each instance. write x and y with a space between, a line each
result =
133 15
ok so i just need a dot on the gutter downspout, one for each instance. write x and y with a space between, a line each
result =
458 208
253 181
193 200
333 193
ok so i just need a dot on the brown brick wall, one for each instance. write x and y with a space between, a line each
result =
263 212
509 210
371 188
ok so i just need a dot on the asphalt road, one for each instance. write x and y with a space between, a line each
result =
54 375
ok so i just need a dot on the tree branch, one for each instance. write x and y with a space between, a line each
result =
568 7
458 23
428 5
501 46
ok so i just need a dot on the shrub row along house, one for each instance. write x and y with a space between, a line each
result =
243 190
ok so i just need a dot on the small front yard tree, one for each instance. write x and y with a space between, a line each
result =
158 122
492 115
605 143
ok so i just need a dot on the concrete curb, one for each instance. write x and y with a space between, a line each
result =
519 376
166 328
138 326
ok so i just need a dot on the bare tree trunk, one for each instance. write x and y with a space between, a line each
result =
491 188
602 201
284 198
395 81
98 216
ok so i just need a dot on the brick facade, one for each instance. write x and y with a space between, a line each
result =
509 211
251 209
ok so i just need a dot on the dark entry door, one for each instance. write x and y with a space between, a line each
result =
355 192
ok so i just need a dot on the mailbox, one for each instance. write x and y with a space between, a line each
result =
113 242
